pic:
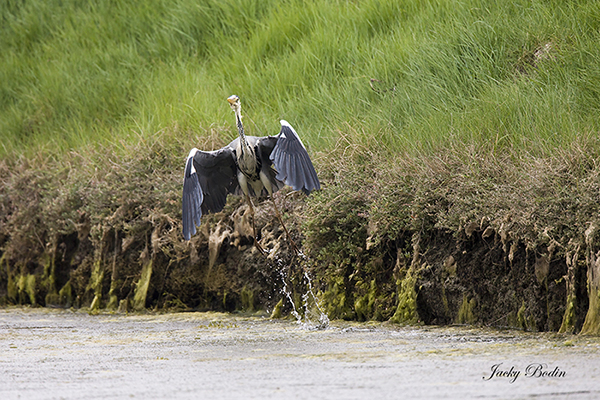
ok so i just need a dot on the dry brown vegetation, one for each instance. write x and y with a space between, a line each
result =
464 234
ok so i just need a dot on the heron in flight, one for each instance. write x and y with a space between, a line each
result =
253 165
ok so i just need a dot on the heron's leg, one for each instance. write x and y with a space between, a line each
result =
256 243
294 247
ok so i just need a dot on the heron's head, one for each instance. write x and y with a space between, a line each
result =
234 102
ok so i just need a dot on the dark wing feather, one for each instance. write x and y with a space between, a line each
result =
209 177
292 161
217 173
192 199
265 146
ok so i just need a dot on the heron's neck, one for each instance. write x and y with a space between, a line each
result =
240 126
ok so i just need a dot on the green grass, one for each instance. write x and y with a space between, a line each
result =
522 74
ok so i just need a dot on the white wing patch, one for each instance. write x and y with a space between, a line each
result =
285 123
191 156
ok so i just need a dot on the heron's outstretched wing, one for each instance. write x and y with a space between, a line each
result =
292 161
209 176
265 146
192 198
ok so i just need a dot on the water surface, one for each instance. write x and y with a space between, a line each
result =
57 354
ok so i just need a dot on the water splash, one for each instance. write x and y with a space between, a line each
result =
314 316
322 320
285 291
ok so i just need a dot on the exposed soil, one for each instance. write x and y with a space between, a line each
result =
464 237
459 278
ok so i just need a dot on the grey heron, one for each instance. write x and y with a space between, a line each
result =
253 165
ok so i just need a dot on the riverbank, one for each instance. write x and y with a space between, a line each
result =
461 236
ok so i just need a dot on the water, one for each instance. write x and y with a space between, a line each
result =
314 316
313 310
288 295
56 354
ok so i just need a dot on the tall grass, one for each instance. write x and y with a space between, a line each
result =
402 76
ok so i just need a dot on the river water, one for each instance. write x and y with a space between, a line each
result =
59 354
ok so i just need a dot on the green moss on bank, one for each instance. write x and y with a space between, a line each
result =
141 289
406 312
591 326
467 313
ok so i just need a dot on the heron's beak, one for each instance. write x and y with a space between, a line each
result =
232 99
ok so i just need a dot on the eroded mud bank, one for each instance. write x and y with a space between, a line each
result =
467 238
475 276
